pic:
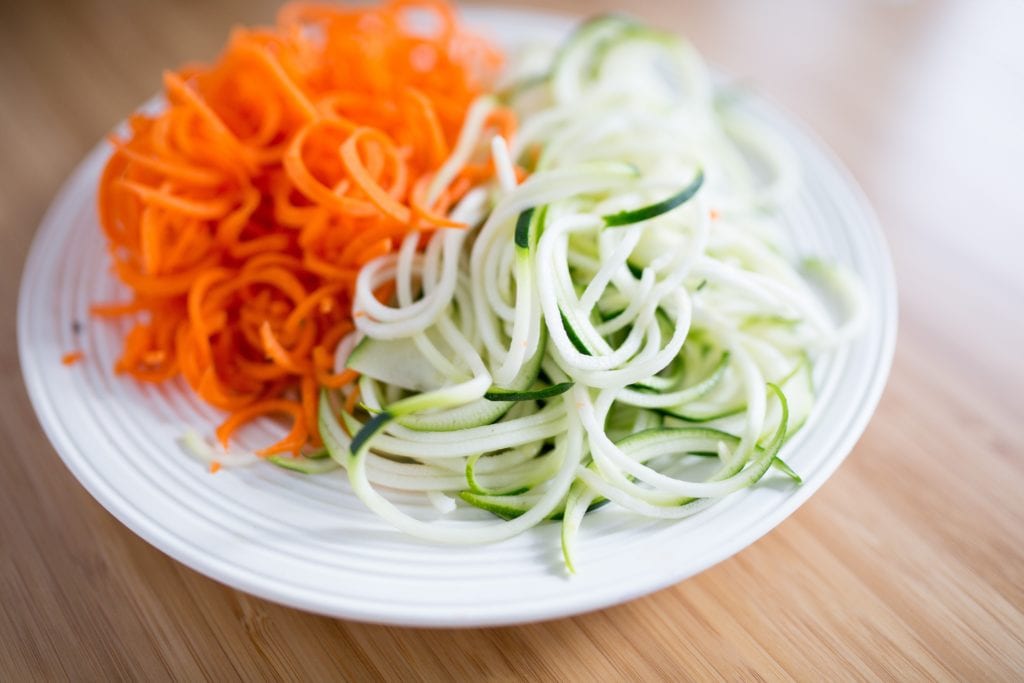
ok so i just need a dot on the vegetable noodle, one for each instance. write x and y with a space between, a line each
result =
624 326
239 215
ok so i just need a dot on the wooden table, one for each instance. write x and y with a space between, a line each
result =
908 564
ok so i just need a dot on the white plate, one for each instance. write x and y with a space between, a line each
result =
307 541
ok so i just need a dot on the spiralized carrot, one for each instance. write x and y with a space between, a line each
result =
72 357
239 216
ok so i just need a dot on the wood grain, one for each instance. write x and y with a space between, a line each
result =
907 565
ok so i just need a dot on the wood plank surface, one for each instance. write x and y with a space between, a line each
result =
907 565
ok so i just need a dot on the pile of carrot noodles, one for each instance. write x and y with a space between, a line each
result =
239 216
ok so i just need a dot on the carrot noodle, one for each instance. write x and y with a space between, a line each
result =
72 357
240 215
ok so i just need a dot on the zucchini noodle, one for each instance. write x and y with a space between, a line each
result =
607 328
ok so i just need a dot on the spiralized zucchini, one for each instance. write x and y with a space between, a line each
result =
623 326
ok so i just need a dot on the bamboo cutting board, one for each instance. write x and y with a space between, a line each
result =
907 565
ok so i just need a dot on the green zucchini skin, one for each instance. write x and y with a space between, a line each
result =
536 395
369 430
646 213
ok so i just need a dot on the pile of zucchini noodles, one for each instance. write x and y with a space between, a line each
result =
625 325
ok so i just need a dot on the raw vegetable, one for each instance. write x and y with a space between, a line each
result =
239 215
72 357
629 301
